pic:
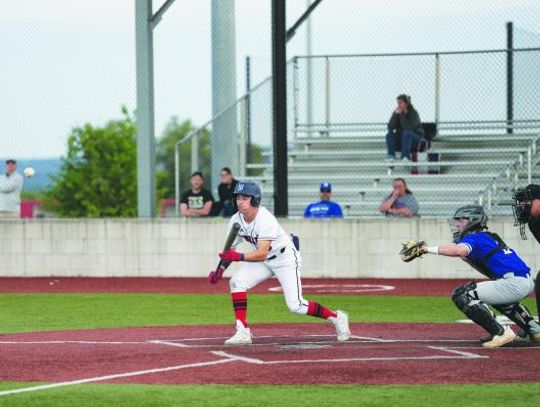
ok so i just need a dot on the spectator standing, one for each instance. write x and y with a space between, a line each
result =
400 202
404 122
11 183
196 201
325 208
226 205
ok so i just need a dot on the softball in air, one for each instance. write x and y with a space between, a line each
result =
29 172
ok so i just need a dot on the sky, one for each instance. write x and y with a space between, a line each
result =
66 63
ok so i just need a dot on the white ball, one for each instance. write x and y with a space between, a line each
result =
29 172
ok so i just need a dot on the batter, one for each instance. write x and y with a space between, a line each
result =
273 254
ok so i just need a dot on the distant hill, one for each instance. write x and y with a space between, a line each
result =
45 169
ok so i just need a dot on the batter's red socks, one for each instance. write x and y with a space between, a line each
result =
317 310
239 301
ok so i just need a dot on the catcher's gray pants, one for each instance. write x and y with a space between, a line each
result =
506 290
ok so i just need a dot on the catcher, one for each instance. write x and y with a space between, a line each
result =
486 252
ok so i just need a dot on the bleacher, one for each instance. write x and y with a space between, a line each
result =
479 163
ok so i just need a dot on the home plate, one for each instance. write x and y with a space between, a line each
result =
304 346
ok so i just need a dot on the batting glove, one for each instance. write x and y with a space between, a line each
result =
231 255
215 275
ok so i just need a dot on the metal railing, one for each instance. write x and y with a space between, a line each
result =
510 174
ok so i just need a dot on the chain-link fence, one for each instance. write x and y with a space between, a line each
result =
445 87
338 107
253 115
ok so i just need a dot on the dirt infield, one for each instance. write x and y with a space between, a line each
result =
200 285
281 354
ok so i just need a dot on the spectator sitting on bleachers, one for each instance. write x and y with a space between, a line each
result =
325 208
196 201
400 202
226 205
404 122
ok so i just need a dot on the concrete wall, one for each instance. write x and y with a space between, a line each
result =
188 248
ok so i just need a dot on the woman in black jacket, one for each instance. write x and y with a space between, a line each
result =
404 122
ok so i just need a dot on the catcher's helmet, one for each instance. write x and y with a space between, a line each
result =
523 198
521 206
249 189
477 220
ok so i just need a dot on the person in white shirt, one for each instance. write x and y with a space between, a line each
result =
273 254
11 183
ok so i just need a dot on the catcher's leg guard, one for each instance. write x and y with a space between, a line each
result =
466 299
520 315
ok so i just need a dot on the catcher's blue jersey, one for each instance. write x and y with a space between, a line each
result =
503 261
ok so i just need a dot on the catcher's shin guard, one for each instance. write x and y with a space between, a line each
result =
466 299
520 315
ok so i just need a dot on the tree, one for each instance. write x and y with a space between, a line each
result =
98 176
174 132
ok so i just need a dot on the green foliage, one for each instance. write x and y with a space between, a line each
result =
38 194
174 132
98 175
256 158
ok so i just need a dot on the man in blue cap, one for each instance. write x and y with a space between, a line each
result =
325 208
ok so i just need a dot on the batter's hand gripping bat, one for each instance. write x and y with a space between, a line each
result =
215 275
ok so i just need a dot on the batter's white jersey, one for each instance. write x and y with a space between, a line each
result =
264 227
283 261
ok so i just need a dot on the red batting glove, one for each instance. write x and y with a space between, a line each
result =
215 275
231 255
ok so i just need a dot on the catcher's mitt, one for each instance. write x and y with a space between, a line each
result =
411 250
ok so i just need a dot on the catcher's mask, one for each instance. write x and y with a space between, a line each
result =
249 189
521 207
476 220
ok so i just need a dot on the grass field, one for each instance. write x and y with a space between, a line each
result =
492 395
43 312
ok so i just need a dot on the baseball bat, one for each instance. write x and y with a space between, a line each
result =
214 277
231 236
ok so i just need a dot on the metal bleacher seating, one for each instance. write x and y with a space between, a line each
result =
479 163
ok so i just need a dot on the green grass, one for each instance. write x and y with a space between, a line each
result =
40 312
492 395
45 312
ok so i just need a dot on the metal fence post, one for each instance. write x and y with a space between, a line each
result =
295 96
195 153
176 179
242 136
437 89
529 165
327 95
509 77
